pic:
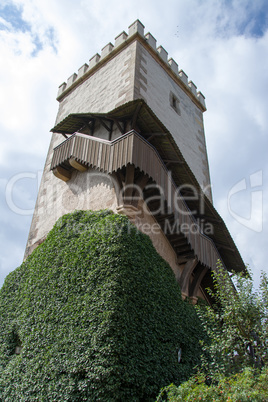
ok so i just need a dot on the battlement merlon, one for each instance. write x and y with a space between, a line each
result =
135 31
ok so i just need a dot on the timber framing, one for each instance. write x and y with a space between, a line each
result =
150 128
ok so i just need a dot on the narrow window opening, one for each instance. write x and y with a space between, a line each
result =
174 103
15 343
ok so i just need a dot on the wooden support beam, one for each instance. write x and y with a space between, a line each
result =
121 129
89 126
220 245
77 165
198 276
189 253
188 193
84 121
129 180
208 218
135 116
153 135
184 280
119 189
173 162
151 191
179 243
109 129
62 173
140 183
92 127
183 249
176 236
182 259
163 217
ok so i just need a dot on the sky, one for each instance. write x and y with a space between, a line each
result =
222 45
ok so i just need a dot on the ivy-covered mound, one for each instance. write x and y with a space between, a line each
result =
98 316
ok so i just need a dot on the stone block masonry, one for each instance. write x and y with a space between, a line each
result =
122 40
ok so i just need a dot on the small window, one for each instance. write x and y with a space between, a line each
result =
174 103
14 342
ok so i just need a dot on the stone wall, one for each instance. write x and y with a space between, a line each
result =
90 190
106 88
176 110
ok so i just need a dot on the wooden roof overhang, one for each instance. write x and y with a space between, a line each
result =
146 123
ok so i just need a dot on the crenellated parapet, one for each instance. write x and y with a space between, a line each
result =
136 29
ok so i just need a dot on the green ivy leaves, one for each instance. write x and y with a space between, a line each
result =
98 314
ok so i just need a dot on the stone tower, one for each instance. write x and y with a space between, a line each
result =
129 137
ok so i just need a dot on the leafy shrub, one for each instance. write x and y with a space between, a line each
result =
234 362
237 326
98 316
246 386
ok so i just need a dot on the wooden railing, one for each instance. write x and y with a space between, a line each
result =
131 148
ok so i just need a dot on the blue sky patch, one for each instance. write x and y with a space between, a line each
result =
257 23
51 37
12 15
252 17
38 45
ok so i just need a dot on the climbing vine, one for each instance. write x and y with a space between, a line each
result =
94 314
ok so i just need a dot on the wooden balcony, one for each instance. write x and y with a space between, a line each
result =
132 151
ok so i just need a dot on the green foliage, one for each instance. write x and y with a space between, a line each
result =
237 325
98 316
242 387
234 362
